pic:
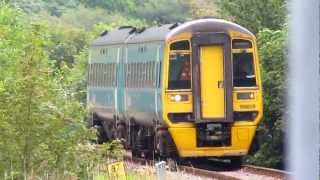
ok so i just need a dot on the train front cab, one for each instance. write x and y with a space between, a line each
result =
212 96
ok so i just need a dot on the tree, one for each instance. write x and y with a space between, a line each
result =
125 6
153 11
202 8
97 16
41 118
254 15
162 11
55 8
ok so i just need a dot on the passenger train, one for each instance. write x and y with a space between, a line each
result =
177 90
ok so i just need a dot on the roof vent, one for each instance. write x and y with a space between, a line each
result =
174 26
126 27
104 33
141 30
132 30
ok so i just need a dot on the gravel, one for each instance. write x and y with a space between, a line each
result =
149 172
241 174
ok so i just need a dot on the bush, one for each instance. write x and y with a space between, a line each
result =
272 51
42 129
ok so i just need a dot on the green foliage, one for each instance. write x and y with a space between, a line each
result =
89 12
65 44
272 49
125 6
55 8
162 11
254 15
42 110
93 158
203 8
88 18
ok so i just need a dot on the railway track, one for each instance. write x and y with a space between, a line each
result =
279 174
219 170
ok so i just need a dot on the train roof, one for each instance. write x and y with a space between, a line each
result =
130 34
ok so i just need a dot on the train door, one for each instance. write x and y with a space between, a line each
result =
212 77
211 80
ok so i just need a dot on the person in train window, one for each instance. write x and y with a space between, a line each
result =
185 71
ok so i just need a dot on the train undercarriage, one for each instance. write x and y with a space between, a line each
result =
156 142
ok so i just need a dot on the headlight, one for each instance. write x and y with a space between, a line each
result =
246 95
178 97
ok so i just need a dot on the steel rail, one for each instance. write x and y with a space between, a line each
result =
206 173
280 174
189 169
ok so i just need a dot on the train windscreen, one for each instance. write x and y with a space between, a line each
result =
179 71
243 70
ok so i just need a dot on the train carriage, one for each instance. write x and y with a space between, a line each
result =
186 90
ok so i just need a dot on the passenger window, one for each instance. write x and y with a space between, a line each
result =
243 70
107 75
107 82
98 74
128 74
136 75
152 73
148 76
95 75
133 75
144 75
114 74
139 71
179 71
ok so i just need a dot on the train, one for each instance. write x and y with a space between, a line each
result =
186 90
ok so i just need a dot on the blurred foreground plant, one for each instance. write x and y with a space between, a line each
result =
42 129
